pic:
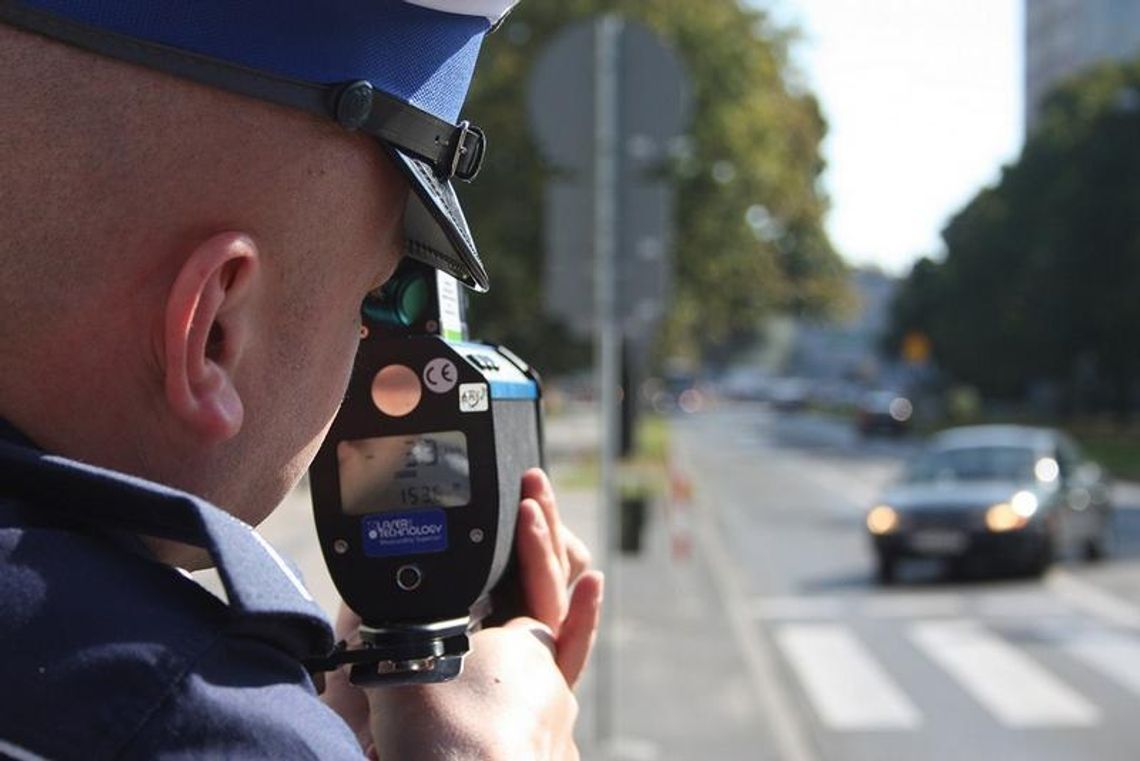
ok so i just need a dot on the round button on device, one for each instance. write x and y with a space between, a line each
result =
396 390
409 577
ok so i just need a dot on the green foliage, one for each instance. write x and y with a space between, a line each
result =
1117 451
1042 273
763 134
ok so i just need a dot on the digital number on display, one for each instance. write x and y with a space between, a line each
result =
400 472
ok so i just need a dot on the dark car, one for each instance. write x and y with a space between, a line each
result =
1011 495
883 412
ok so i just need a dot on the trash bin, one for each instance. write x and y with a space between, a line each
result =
634 513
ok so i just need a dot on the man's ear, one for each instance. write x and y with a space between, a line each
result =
207 327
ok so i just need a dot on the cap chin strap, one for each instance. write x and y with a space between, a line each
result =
451 150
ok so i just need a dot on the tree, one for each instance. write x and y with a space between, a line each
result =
1042 271
749 237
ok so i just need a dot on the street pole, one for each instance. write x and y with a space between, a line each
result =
607 34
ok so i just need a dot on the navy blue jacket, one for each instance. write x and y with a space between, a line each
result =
107 653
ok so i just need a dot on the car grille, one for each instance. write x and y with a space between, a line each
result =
943 518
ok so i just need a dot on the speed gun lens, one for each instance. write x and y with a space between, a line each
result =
401 302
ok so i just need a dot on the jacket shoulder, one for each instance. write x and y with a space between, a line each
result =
112 653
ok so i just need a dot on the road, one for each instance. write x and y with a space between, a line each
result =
749 626
933 668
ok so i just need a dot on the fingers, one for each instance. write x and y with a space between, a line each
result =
577 553
571 551
552 560
536 486
544 581
576 639
570 649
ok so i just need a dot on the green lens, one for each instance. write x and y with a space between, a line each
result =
412 301
400 303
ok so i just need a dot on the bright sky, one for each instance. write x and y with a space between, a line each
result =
924 104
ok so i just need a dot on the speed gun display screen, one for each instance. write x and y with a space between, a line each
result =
391 473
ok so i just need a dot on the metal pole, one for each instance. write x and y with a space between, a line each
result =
607 32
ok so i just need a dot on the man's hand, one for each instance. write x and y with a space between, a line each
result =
558 589
514 699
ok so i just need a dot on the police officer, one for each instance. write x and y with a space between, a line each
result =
194 199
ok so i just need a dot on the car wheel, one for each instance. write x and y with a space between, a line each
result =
886 569
1043 558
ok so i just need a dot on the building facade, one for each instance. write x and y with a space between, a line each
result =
1064 36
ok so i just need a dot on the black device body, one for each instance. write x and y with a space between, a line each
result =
416 487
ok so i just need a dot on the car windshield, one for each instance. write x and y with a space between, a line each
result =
986 463
879 400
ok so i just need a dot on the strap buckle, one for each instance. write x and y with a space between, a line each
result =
468 146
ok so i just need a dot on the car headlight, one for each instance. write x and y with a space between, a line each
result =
882 519
900 409
1004 517
1046 469
1024 503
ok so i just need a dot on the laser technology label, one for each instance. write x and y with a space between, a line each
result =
413 533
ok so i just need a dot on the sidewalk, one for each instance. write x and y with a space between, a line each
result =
678 690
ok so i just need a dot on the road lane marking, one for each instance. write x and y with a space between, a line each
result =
1012 686
846 685
1091 599
1113 654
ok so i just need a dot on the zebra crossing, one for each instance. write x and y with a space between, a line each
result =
1029 659
1017 690
848 687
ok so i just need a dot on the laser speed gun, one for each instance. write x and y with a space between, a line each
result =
416 488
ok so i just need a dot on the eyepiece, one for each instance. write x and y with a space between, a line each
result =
401 302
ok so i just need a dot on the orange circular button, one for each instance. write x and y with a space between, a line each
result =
396 390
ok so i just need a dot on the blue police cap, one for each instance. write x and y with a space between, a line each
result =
396 69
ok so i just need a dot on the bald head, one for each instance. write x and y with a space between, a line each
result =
117 186
106 165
